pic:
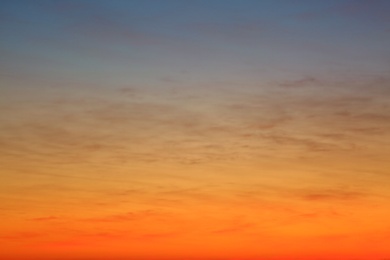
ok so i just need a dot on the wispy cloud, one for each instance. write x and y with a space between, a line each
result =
21 235
303 82
125 217
331 195
77 130
238 228
45 219
374 10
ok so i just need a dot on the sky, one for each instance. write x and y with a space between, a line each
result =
195 130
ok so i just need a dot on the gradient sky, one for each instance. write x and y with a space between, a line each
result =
183 129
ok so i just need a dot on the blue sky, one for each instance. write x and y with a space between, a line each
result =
217 39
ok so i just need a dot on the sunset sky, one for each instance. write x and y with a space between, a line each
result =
195 130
